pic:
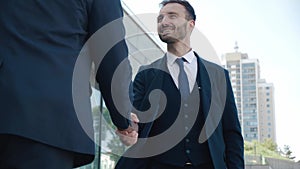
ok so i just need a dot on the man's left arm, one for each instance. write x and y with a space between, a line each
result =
107 34
234 143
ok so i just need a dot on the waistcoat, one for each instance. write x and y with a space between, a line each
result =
191 122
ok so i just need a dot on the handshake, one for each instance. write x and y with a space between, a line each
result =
129 136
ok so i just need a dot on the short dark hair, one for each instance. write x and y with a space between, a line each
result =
190 10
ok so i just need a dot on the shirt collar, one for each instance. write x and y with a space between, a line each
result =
171 58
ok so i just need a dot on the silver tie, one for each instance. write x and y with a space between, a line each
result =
183 82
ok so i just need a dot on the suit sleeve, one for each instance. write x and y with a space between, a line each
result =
139 90
101 14
234 151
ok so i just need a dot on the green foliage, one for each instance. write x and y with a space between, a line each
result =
116 147
268 148
269 144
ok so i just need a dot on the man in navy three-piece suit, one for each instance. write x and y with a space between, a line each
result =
191 121
40 41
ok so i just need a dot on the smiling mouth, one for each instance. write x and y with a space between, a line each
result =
165 31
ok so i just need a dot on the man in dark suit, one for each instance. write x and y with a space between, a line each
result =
191 121
40 43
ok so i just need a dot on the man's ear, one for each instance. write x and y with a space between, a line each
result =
192 23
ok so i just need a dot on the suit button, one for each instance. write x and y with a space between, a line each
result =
187 140
186 105
188 151
186 116
188 164
186 128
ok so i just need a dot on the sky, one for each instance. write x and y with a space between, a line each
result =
267 30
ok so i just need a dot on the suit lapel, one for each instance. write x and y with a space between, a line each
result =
213 95
159 70
204 86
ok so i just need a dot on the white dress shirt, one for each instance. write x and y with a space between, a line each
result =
190 67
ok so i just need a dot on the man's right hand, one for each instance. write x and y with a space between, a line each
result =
129 136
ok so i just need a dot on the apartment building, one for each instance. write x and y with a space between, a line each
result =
254 97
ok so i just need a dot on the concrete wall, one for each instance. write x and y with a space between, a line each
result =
282 164
257 167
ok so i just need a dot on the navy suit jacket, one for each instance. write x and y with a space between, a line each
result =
222 126
39 45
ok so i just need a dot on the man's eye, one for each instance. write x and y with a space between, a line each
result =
173 16
159 19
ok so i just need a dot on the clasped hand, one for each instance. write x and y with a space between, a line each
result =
129 136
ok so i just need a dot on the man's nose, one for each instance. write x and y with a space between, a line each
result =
165 21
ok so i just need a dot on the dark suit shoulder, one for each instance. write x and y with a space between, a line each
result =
150 74
208 64
211 64
213 67
157 64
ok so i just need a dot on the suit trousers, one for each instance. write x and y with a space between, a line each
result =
159 165
22 153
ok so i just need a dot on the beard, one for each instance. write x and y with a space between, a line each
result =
177 34
167 39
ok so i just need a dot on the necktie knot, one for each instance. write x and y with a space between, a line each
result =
180 62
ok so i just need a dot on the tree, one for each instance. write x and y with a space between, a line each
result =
266 149
287 152
116 147
269 144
